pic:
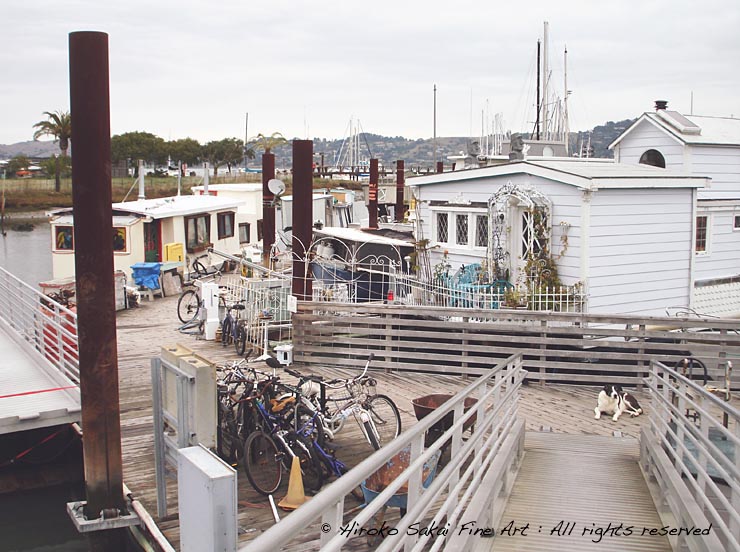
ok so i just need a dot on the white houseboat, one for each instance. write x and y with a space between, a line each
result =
146 230
624 233
707 146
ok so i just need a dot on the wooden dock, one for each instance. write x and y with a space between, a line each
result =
142 331
580 492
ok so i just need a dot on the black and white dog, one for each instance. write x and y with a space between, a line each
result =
613 399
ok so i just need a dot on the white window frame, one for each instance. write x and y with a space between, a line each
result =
736 222
452 213
708 246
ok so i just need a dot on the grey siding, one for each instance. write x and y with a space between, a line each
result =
722 164
640 251
646 136
723 257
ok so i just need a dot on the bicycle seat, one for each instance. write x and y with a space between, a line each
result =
238 306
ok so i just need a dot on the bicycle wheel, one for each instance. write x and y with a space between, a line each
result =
306 417
386 418
227 437
188 305
240 339
226 329
311 472
262 463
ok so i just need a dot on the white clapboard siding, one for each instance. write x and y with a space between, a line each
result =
722 165
640 248
723 258
645 136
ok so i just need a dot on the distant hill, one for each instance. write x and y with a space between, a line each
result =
387 149
32 148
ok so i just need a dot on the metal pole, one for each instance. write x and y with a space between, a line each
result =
302 216
400 182
372 195
206 178
268 208
435 125
142 194
246 139
96 312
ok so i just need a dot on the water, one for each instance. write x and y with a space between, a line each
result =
37 521
27 255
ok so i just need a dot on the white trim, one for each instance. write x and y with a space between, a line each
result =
692 254
708 247
645 117
452 212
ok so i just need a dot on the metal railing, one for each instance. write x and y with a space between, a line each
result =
468 489
692 449
50 328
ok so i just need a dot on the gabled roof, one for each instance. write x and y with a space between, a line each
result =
588 174
690 129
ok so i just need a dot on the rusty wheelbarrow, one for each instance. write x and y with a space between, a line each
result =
423 406
384 476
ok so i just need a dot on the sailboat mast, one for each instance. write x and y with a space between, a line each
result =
539 104
545 82
566 130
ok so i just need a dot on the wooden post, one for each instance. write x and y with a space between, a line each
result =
302 217
96 310
372 195
400 183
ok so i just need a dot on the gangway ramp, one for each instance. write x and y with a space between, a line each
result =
570 488
32 395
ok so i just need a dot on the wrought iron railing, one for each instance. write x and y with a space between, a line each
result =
50 328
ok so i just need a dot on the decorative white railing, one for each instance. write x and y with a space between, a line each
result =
692 449
438 292
47 326
266 309
469 492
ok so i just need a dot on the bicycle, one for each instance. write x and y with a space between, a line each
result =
234 329
270 449
376 414
188 305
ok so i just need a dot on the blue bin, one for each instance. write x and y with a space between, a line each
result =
146 274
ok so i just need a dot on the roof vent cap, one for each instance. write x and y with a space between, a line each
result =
661 104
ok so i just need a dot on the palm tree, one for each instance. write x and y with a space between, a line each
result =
58 125
266 143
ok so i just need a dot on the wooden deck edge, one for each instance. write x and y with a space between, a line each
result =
669 494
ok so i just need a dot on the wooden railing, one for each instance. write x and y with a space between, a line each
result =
469 492
556 347
691 453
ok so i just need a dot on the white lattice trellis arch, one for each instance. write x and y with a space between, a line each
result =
535 227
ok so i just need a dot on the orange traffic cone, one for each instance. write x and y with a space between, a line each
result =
295 496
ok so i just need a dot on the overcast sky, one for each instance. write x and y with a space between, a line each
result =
194 69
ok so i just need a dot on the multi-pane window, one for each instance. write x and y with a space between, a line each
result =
481 230
736 225
702 233
197 232
244 232
225 225
442 228
461 229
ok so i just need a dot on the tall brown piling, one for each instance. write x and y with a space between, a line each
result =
440 167
268 207
96 313
400 182
302 216
372 193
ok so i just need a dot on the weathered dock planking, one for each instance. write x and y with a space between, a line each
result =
142 331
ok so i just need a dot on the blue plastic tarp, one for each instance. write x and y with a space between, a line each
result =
146 274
